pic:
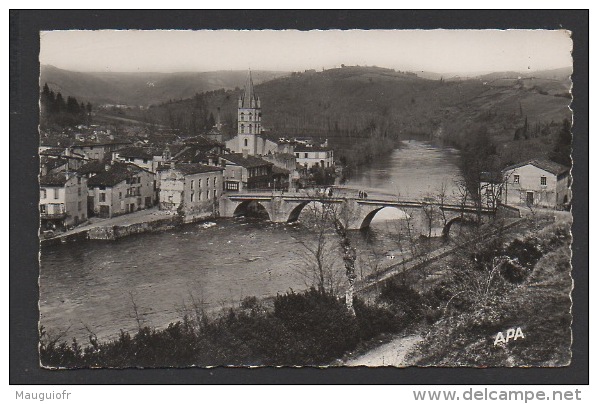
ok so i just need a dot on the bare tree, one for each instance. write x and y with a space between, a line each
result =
441 197
335 216
319 252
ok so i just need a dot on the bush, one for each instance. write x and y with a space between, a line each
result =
309 328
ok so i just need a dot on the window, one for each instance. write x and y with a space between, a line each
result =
120 195
42 209
207 194
56 193
215 194
297 155
245 142
42 193
542 180
192 196
79 205
192 184
516 179
304 155
102 197
215 181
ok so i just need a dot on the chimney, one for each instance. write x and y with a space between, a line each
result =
245 153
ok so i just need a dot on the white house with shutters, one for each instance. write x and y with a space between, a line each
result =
537 182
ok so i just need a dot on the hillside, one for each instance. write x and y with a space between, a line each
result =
143 88
366 101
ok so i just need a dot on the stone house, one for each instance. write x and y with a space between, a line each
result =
98 150
121 188
62 200
537 182
192 190
242 171
314 156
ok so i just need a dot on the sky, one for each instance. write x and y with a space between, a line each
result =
440 51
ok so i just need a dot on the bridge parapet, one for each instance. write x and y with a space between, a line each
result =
425 217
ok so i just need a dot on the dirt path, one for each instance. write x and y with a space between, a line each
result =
392 353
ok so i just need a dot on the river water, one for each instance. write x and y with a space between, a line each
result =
105 286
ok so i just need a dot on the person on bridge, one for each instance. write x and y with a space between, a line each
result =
365 195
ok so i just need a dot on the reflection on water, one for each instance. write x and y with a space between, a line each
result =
91 285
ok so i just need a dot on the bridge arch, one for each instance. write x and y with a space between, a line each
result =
367 220
245 207
296 211
467 220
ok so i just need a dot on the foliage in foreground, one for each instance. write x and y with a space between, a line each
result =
530 290
309 328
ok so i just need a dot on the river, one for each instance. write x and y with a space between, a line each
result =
105 286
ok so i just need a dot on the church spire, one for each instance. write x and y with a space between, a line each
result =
248 98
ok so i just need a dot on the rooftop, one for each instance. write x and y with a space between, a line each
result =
58 179
543 164
303 148
117 173
139 152
247 162
190 169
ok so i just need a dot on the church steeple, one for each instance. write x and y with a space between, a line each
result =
249 117
248 99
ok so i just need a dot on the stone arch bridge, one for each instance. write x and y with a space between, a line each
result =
286 208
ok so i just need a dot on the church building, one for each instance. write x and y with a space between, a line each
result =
249 139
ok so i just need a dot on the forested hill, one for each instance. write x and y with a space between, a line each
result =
370 101
143 88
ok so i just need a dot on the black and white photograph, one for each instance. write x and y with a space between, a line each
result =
318 198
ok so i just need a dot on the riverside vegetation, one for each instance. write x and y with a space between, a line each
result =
485 288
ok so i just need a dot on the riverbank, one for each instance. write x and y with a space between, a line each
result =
143 221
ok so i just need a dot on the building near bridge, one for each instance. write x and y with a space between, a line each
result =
191 190
314 156
537 182
242 171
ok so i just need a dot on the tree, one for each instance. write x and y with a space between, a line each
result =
211 121
335 217
319 250
561 152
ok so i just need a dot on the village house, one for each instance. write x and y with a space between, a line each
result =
284 170
55 160
62 200
245 172
537 182
98 150
314 156
148 158
121 188
192 190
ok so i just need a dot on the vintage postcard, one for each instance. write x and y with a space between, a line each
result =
305 198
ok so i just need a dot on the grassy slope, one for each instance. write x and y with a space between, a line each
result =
541 306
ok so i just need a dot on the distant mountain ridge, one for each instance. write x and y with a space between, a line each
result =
140 88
